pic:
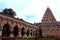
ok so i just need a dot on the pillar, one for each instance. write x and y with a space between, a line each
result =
1 28
11 35
25 35
19 32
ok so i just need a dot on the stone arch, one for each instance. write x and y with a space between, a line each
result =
5 22
15 31
14 24
6 31
10 22
22 31
27 32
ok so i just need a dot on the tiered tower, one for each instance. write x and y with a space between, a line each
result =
48 16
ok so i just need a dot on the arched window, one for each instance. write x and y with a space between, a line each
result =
15 31
6 31
22 31
27 32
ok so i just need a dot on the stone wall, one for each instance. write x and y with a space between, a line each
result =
15 22
51 31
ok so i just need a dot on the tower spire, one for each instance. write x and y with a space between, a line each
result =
48 16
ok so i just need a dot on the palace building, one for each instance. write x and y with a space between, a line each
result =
14 27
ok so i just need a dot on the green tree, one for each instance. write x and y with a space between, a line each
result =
9 12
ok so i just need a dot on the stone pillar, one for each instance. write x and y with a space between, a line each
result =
29 33
25 33
32 33
11 35
19 33
1 28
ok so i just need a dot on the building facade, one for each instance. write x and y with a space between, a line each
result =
49 26
14 27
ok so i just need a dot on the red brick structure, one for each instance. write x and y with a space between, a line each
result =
14 27
50 27
48 16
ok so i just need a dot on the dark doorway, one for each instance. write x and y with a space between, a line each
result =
22 31
6 30
40 32
31 33
27 32
15 31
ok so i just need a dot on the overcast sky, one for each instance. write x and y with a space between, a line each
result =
32 10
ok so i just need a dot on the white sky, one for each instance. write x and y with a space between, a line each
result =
32 10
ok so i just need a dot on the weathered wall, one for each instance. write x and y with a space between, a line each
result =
20 24
51 31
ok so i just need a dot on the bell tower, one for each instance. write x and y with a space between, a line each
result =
48 16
